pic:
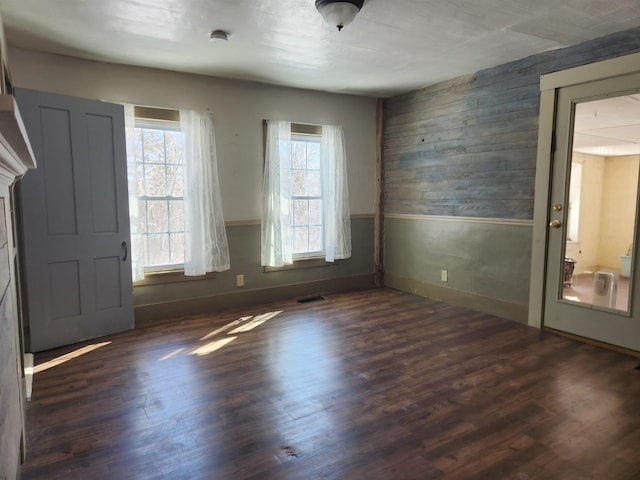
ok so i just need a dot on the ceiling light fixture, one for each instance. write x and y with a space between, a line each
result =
218 36
339 13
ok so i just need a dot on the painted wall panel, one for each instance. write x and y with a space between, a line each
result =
244 249
491 260
239 107
467 148
618 215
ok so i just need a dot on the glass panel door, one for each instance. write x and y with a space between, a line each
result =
590 284
601 204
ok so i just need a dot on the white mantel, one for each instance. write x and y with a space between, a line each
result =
16 154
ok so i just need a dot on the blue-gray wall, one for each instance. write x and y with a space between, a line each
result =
465 150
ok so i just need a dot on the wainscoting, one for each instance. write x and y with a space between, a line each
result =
487 261
159 299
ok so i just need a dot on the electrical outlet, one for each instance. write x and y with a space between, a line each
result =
444 276
239 280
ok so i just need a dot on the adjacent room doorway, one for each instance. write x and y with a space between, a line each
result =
589 286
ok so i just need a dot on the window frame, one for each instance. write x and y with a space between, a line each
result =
165 120
299 262
314 137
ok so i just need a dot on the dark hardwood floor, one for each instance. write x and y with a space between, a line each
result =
371 385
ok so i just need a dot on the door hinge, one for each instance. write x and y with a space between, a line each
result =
553 142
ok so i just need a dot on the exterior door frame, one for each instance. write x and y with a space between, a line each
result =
549 86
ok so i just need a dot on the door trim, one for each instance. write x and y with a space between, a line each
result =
549 86
595 343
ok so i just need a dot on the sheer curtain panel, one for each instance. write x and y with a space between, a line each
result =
277 244
138 245
337 217
206 247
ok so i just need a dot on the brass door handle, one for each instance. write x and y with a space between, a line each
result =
555 224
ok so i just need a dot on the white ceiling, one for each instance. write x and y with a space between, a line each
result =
392 46
609 127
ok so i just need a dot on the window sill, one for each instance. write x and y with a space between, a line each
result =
303 263
157 277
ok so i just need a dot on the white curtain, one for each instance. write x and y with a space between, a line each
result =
206 247
335 194
277 244
137 249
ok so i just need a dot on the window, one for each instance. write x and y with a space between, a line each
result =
306 196
573 214
306 201
175 210
160 191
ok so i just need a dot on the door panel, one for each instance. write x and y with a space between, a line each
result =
590 129
101 168
64 287
75 220
108 288
57 168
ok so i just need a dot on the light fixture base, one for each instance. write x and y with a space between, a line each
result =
339 13
218 36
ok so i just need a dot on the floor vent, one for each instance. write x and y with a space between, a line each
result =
310 299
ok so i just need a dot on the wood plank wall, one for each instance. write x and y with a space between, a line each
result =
467 147
10 408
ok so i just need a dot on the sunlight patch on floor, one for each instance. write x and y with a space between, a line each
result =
256 322
65 358
212 347
226 327
242 325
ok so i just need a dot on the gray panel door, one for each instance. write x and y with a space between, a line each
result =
75 220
